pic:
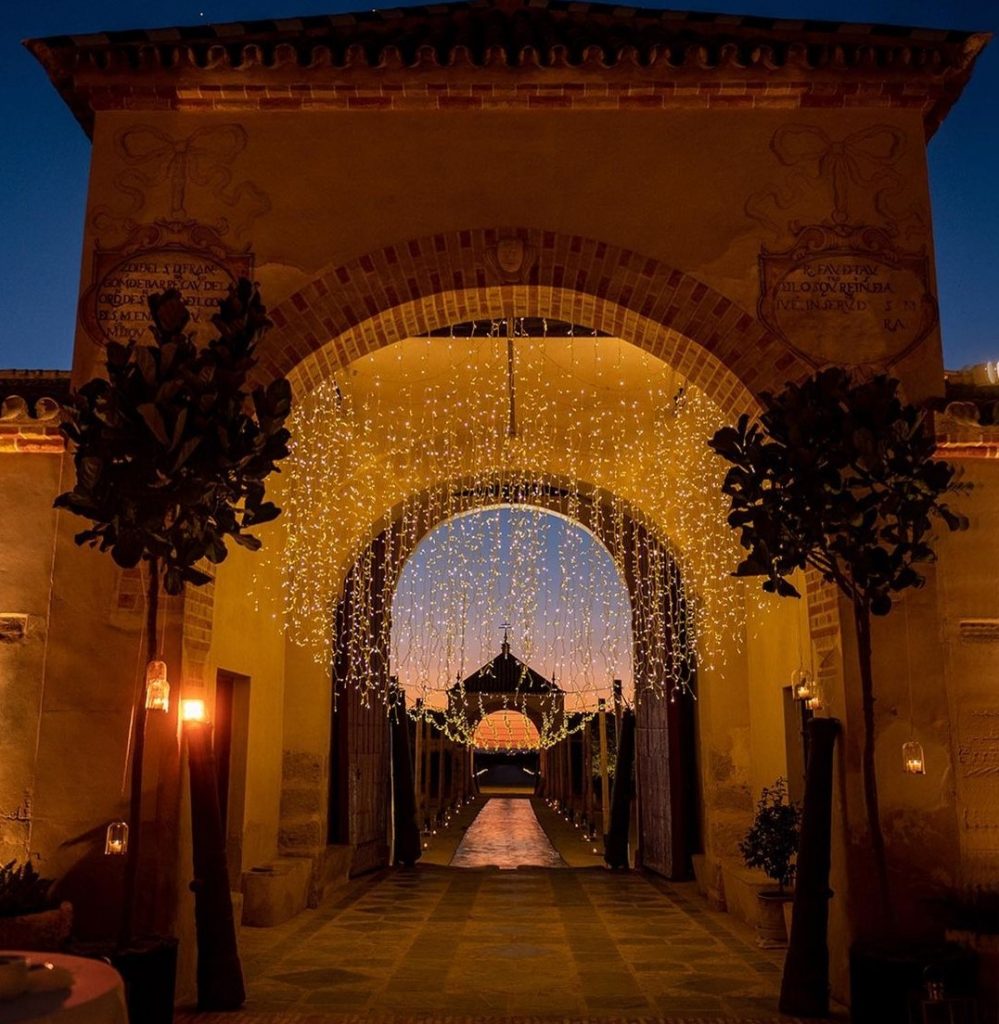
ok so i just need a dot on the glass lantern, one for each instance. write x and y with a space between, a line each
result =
801 684
913 760
157 687
814 701
116 839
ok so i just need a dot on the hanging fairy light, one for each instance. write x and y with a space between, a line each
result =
431 430
157 687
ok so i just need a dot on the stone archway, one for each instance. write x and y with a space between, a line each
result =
414 288
666 757
423 284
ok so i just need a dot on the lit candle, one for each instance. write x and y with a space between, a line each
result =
913 760
157 687
116 839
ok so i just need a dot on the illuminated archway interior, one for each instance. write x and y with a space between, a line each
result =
515 610
425 430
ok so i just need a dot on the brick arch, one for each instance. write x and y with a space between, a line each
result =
424 284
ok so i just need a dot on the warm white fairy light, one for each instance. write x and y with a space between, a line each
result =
418 434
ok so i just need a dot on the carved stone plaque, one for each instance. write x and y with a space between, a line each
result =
187 257
847 295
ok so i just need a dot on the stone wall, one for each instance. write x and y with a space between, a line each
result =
28 481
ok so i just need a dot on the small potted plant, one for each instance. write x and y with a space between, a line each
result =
771 844
29 918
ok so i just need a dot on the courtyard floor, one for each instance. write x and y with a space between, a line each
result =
444 943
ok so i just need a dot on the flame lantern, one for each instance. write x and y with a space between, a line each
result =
116 839
157 687
913 760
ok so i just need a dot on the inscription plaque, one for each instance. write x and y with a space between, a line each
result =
847 291
187 257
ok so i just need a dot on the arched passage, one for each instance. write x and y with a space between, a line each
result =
412 289
667 758
420 285
414 286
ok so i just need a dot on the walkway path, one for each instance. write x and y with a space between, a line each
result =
506 834
432 942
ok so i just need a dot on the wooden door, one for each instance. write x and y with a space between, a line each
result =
360 768
652 765
667 783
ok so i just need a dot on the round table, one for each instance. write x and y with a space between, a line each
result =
97 995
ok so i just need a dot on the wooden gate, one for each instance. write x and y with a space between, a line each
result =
360 769
667 784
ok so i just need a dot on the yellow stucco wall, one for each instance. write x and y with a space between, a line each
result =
27 526
685 188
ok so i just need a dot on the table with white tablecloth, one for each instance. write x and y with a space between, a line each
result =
97 995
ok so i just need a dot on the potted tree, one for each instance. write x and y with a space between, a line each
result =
30 918
171 450
771 844
839 476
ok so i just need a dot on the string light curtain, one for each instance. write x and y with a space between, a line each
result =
427 430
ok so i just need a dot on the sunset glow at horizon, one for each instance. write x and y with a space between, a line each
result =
540 580
506 730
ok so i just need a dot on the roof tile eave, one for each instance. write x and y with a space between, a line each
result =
504 37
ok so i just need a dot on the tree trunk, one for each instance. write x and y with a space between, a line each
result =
804 990
128 917
862 619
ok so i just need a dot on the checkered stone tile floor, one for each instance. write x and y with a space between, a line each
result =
442 944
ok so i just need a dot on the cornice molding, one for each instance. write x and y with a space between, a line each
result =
496 51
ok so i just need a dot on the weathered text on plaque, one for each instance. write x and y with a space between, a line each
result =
116 307
839 291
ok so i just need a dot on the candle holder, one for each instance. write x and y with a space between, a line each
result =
157 687
801 684
913 759
116 839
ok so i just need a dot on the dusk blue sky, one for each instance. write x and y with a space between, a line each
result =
43 161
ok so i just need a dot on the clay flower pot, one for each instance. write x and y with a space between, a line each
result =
45 930
788 911
771 932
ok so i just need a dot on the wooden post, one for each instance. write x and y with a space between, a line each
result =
569 788
219 973
439 791
428 744
418 766
566 783
405 827
588 773
605 804
616 840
